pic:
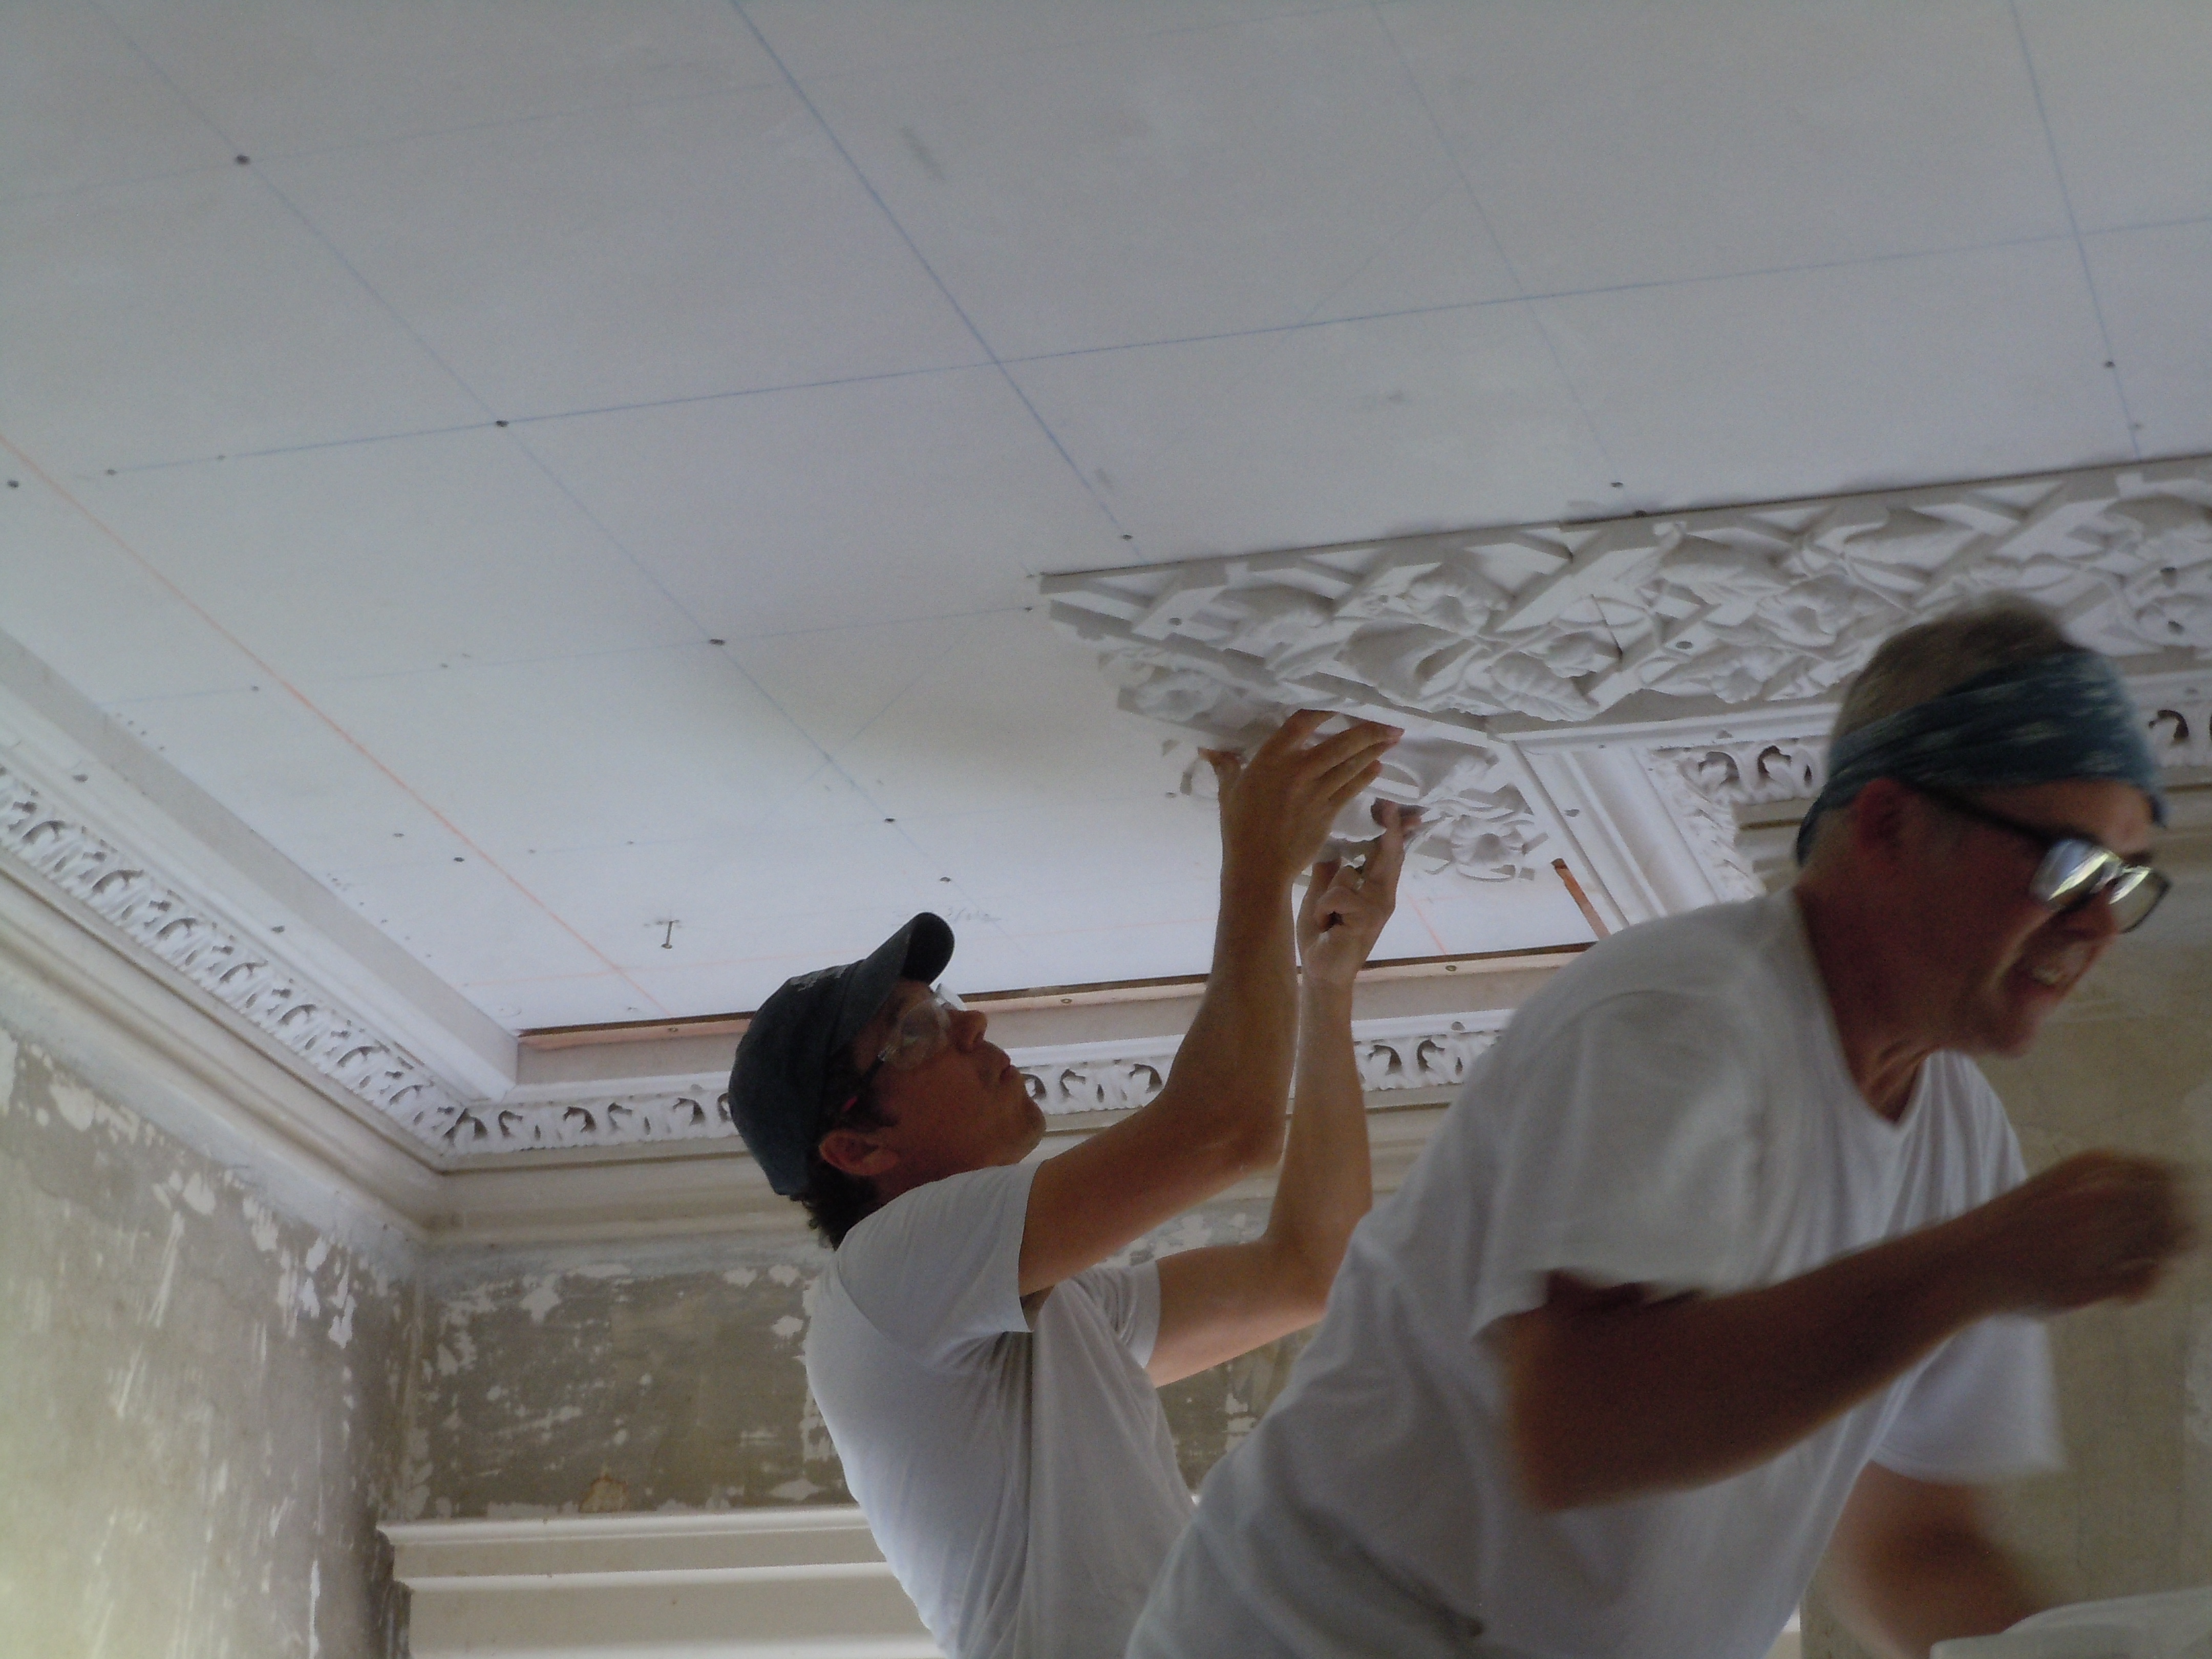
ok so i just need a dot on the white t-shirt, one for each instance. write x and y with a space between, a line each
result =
1675 1111
1015 1467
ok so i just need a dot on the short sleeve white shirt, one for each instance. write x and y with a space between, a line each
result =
1673 1111
1014 1465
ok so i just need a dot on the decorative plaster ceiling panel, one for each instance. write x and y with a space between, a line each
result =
1515 658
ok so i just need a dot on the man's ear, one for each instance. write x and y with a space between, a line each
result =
856 1153
1881 826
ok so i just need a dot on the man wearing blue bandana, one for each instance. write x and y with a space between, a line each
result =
1725 1259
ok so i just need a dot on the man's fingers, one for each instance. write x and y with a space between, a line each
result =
1319 882
1328 779
1293 734
1342 787
1389 858
1361 738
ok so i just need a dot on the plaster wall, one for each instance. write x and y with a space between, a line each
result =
670 1375
2127 1065
201 1396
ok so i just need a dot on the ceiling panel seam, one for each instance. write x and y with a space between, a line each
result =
892 219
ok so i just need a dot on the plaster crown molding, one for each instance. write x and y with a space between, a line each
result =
694 1110
52 837
53 833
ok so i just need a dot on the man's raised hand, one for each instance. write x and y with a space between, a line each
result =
1346 905
1276 808
2098 1226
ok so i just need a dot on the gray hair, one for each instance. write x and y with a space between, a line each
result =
1929 658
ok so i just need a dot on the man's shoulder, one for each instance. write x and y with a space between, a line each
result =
953 1204
1734 957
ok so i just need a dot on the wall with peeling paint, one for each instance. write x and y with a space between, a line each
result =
2127 1064
200 1398
669 1376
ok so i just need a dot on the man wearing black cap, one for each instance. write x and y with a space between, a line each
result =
989 1386
1725 1257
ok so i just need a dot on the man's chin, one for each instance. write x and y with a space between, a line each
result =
2015 1024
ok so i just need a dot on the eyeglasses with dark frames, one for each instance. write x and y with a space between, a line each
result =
2073 870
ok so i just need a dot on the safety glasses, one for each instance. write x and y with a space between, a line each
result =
2073 870
922 1033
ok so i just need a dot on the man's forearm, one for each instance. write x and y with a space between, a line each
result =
1236 1059
1326 1184
1610 1401
1911 1564
1945 1586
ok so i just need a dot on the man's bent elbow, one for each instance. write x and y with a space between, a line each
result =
1254 1145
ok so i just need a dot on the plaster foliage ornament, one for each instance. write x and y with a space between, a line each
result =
1559 623
1427 1051
1731 774
2180 723
48 834
700 1113
1432 1052
1096 1077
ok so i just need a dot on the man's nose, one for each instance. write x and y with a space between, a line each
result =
967 1026
2094 921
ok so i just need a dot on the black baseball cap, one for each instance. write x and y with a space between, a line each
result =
780 1085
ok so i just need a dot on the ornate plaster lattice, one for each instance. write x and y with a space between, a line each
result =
51 836
1510 656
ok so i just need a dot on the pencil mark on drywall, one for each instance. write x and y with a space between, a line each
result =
924 156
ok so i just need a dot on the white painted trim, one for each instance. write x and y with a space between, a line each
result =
740 1584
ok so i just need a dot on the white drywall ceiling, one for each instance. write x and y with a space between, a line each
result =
587 467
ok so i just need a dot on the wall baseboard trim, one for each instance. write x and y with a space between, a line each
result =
678 1586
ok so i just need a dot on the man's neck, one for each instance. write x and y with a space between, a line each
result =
1878 1022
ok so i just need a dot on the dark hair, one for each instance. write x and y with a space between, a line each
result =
836 1202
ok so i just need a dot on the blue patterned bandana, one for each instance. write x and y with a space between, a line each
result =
2056 718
